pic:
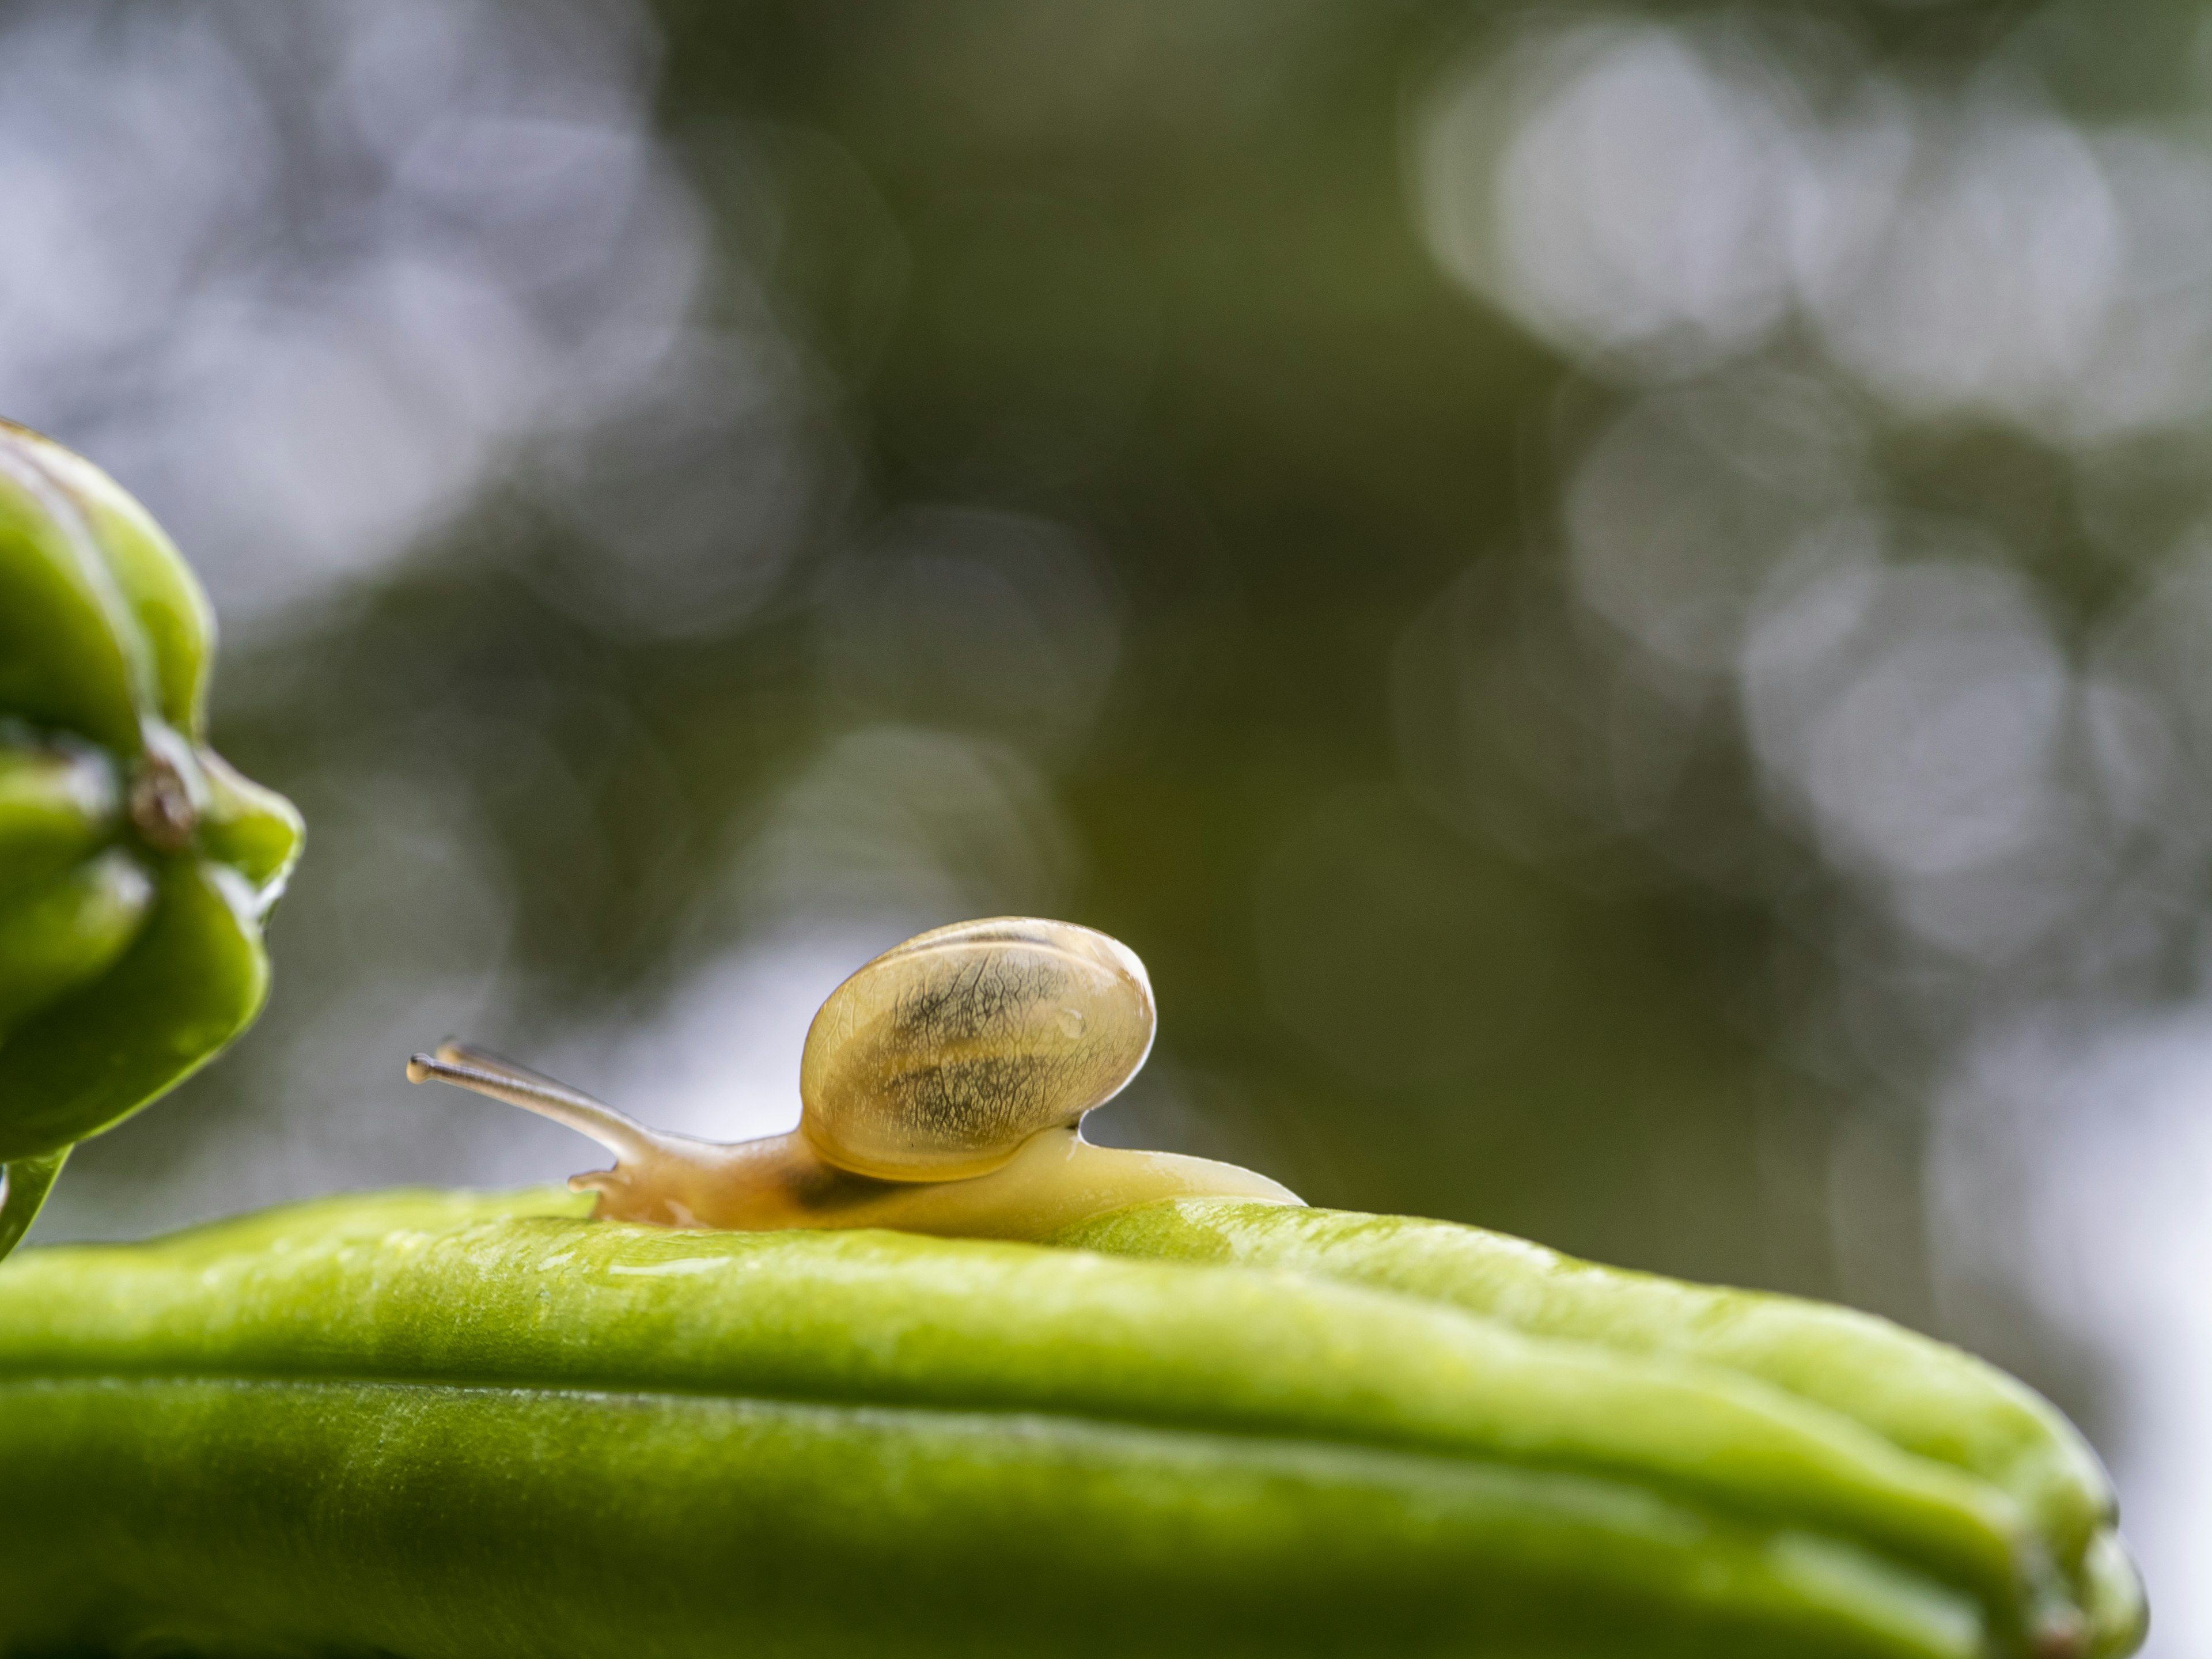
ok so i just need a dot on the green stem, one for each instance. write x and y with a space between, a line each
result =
24 1185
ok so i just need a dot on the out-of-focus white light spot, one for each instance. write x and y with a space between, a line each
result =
326 435
1916 716
2153 366
1980 273
1661 198
1682 507
1937 756
305 285
128 159
1618 188
2071 1163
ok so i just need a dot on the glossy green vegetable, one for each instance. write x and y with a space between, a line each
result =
1923 1396
136 866
430 1425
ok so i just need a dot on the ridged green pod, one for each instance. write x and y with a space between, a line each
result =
436 1424
1924 1397
136 866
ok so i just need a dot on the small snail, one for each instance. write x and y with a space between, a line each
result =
944 1086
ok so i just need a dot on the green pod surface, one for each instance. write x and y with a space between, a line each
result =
1923 1396
432 1424
136 867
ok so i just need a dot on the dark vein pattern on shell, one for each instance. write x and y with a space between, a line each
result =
982 1056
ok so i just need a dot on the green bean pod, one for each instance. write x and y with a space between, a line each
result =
1923 1396
428 1424
136 866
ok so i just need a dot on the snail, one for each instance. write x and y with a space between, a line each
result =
943 1087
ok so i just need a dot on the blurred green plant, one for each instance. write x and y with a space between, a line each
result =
135 865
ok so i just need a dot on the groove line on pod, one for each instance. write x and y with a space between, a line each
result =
345 1452
858 1407
1381 1459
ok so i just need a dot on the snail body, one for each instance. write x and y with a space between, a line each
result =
943 1086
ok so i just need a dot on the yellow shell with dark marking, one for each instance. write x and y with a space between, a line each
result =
939 1058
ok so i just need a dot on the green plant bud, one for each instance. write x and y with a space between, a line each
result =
136 866
29 1180
69 933
57 807
431 1423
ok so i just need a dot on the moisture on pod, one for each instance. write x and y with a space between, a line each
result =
136 866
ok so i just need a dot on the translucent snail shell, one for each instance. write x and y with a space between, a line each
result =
939 1058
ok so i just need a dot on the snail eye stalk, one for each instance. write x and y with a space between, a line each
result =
466 1067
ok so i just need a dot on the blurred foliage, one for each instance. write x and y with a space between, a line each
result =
1159 282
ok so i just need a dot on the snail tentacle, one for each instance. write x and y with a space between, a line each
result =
454 1052
619 1133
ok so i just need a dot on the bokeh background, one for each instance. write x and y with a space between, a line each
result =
1619 603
